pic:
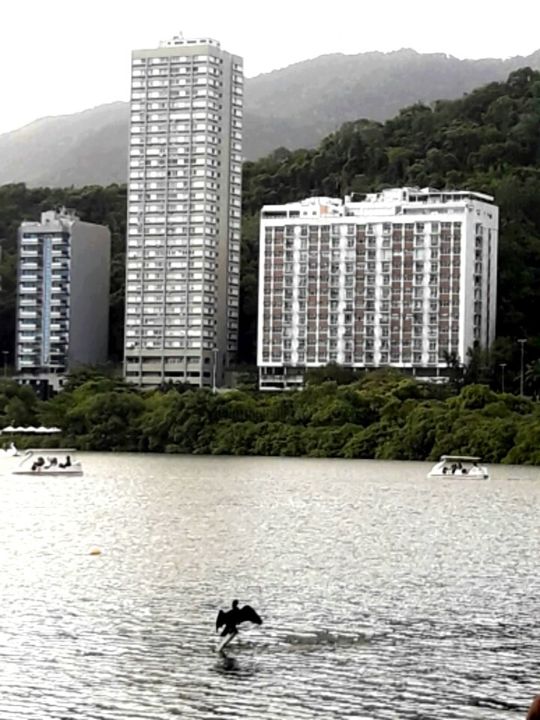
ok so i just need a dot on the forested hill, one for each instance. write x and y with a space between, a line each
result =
487 141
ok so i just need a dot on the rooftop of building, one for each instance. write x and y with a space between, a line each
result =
58 215
391 199
179 39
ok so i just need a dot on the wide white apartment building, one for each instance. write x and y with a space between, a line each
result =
62 297
402 278
184 213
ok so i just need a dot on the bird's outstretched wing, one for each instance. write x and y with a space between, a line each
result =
248 614
220 620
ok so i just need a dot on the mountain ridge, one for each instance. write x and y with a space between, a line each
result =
294 106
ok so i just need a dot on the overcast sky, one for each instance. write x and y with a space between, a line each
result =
56 57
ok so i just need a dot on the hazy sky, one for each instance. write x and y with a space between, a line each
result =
60 56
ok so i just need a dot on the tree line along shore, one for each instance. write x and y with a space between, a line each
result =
381 414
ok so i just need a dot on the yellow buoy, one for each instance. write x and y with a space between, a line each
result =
95 551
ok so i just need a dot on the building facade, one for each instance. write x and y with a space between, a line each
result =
184 213
404 278
62 297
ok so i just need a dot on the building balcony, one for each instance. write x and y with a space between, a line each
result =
28 291
26 362
28 314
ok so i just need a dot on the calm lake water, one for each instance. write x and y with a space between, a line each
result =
384 594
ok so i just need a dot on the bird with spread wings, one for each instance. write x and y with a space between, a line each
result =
230 619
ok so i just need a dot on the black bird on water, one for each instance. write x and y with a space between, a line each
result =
234 617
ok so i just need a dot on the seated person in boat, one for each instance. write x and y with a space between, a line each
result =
38 464
53 462
66 463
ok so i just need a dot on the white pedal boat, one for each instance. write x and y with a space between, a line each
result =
459 466
45 461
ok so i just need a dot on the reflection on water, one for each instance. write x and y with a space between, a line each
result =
384 595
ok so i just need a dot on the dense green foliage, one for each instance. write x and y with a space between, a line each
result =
381 415
488 141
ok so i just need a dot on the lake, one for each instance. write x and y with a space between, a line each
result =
383 594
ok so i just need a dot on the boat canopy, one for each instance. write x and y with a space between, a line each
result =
462 458
41 430
50 450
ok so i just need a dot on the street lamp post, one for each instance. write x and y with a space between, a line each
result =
502 366
522 342
214 369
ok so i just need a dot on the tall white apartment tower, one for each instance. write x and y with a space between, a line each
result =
184 213
404 278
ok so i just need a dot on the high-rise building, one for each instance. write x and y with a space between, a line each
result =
184 213
62 297
404 278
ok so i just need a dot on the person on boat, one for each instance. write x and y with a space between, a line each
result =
66 463
454 468
53 462
39 463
